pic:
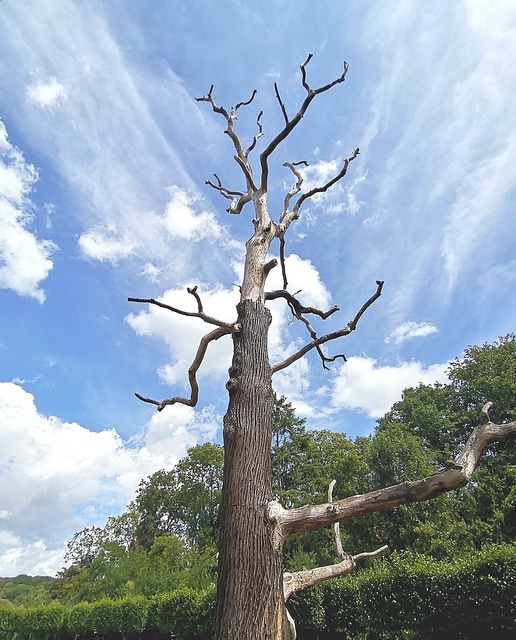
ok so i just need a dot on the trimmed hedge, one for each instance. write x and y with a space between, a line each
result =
418 597
404 597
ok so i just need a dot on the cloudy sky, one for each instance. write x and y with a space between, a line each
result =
103 157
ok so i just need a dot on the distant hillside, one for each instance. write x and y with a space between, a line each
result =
26 590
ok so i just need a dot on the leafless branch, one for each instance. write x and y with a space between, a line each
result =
281 103
241 155
300 580
258 135
291 123
192 373
243 104
336 526
237 203
323 188
312 517
297 307
192 314
351 326
296 188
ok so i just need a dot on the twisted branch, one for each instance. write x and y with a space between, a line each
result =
351 326
192 373
237 204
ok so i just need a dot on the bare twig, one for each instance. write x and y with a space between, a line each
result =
351 326
192 314
281 103
297 306
297 186
237 204
192 373
258 135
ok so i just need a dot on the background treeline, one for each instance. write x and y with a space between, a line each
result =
167 537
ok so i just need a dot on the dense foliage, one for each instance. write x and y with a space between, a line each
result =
166 539
410 597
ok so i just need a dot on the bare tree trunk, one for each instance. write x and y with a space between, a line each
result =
249 608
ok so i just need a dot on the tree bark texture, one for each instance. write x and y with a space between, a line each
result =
250 608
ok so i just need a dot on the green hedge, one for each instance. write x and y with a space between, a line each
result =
403 597
417 597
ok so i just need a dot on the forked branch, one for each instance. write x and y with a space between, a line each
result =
223 328
293 122
300 580
317 342
238 198
241 155
192 314
312 517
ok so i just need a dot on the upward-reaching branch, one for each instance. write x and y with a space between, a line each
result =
291 123
241 155
340 333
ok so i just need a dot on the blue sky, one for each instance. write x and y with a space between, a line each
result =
103 157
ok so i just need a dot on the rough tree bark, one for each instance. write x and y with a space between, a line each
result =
252 589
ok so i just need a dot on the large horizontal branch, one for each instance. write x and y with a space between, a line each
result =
312 517
300 580
192 373
290 124
334 335
192 314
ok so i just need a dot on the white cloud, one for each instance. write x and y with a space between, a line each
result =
106 244
151 235
62 476
364 385
47 94
409 330
24 258
182 334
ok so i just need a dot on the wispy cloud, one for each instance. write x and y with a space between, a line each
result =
111 136
445 187
409 330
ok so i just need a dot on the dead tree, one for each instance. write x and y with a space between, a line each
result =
252 589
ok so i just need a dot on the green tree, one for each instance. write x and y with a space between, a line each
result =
183 501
